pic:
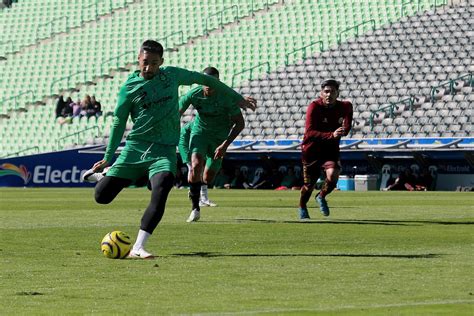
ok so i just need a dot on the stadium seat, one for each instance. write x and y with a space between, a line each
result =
231 50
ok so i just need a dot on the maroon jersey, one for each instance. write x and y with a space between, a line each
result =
321 121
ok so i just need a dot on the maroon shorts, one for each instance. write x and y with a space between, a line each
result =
312 171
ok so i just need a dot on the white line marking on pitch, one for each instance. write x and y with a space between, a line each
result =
340 308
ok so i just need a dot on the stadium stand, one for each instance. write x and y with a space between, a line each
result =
34 21
232 49
400 78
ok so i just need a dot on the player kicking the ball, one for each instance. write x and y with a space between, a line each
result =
218 122
327 120
150 98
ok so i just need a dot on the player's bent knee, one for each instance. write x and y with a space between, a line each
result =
102 196
102 199
307 187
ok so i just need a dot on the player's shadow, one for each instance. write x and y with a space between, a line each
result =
348 255
358 222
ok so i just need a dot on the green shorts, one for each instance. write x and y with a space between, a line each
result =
139 158
206 146
183 147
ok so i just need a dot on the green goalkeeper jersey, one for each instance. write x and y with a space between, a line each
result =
213 112
153 106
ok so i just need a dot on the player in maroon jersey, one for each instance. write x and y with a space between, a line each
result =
327 120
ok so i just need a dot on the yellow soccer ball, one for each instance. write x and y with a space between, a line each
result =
116 245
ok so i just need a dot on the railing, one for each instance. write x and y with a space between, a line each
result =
68 79
287 59
419 4
58 142
220 14
96 12
52 28
73 26
450 83
116 59
165 39
22 151
435 3
251 71
267 5
16 97
404 4
391 107
5 52
356 27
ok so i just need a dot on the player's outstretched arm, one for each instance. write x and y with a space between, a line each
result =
239 125
187 78
117 129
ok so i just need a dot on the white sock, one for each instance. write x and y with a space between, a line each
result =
142 238
204 192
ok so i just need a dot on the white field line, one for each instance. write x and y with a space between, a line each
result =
341 308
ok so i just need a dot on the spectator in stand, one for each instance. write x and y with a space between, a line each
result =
66 113
85 104
222 180
266 176
424 181
60 104
289 180
76 108
238 180
404 182
94 108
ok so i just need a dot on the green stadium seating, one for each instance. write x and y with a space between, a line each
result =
88 52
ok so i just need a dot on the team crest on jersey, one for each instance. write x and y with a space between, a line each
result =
341 120
164 80
325 120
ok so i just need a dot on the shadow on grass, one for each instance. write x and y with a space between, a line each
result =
356 222
348 255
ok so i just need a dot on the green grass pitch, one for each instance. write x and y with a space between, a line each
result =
398 253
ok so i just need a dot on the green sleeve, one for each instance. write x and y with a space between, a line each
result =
187 78
234 109
185 101
121 113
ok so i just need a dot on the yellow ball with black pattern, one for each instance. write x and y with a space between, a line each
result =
116 245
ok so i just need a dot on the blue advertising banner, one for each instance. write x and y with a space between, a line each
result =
56 169
64 168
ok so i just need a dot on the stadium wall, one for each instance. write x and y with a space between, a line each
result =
450 168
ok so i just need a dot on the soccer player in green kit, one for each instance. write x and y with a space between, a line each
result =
218 122
185 154
150 98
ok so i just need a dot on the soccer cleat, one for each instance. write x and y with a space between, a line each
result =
323 205
194 216
207 203
303 213
140 254
93 177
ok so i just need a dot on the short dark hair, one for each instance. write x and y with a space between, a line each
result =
211 71
330 83
152 46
